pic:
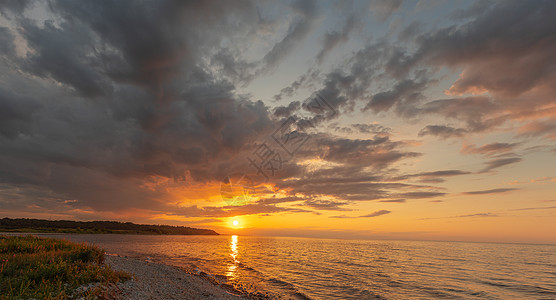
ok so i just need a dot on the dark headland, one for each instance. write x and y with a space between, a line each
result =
110 227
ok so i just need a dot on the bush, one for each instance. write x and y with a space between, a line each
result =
32 267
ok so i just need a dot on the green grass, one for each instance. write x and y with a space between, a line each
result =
45 268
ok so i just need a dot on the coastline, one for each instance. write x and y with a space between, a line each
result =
160 281
155 280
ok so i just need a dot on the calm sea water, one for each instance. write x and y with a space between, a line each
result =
347 269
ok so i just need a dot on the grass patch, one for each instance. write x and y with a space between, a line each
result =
46 268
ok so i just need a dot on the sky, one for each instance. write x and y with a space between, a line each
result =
421 120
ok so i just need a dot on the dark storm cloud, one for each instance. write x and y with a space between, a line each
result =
303 80
371 215
343 86
433 177
307 13
517 72
232 211
376 213
359 171
506 50
341 217
491 191
442 131
15 6
411 31
477 215
383 9
406 90
476 9
421 195
168 41
489 149
276 200
233 66
474 111
371 128
497 163
16 111
22 197
6 42
377 152
65 55
350 189
481 215
533 208
539 128
393 201
441 173
106 100
375 129
335 38
351 183
52 185
96 107
97 112
492 55
326 205
287 111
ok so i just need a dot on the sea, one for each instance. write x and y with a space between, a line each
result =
306 268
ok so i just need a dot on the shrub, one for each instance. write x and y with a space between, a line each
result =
33 267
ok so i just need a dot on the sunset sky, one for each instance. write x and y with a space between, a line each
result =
425 120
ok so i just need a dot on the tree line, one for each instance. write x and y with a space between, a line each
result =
38 225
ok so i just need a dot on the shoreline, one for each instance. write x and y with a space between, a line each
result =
158 280
161 281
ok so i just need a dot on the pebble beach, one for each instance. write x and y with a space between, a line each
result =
159 281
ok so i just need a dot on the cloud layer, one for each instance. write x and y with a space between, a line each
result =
109 109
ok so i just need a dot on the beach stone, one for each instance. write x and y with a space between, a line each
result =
158 281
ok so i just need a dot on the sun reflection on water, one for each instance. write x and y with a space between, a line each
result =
232 268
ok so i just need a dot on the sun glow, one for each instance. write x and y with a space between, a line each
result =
236 223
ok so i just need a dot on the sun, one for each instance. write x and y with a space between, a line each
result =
235 222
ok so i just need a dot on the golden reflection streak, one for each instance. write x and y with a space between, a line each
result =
233 253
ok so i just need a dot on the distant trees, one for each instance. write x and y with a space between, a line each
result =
99 227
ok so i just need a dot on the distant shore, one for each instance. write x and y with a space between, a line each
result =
160 281
23 225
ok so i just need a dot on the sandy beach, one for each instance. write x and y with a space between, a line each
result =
159 281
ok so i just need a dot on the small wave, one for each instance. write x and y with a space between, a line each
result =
281 283
479 294
290 288
497 284
248 268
